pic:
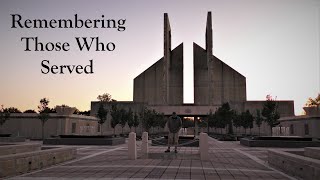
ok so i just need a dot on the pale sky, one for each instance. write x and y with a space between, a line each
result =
274 43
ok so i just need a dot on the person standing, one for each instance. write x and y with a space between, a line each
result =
174 126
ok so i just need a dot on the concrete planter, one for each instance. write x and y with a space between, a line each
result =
24 162
85 141
295 165
312 111
65 110
19 148
279 143
12 139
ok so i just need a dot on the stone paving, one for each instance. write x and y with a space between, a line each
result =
228 160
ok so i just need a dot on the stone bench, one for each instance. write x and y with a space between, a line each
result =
18 148
85 141
295 165
313 152
278 143
16 164
12 139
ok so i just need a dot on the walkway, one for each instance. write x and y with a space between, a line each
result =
228 160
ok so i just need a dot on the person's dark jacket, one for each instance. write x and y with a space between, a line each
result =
174 124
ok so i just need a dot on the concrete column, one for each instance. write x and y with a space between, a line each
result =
204 147
132 147
196 128
144 145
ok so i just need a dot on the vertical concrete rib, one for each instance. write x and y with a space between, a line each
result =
209 58
167 61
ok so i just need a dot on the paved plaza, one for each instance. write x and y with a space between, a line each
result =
228 160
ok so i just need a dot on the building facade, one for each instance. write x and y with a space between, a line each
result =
160 87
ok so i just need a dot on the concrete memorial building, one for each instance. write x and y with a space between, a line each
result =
160 87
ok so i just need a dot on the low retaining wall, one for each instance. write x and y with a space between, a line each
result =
84 141
12 139
278 143
19 148
312 152
301 166
16 164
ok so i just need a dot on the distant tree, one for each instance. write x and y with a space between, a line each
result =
243 122
76 111
162 120
246 120
85 113
123 119
250 121
153 119
313 102
159 120
224 116
236 120
211 120
258 119
130 119
202 122
106 97
270 112
30 111
12 110
43 110
219 121
136 122
147 119
102 115
4 115
187 122
116 116
52 110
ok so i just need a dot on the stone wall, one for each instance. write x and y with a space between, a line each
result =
19 148
17 164
294 165
28 125
306 126
312 152
285 108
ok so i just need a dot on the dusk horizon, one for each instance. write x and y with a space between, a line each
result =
274 44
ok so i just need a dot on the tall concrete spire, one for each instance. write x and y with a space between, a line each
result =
167 58
209 59
209 34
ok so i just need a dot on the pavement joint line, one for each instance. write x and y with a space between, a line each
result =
215 140
83 153
83 148
172 167
72 161
264 164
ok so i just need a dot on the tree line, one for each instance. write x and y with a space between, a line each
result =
226 118
149 119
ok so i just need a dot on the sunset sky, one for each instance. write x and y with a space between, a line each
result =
274 43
